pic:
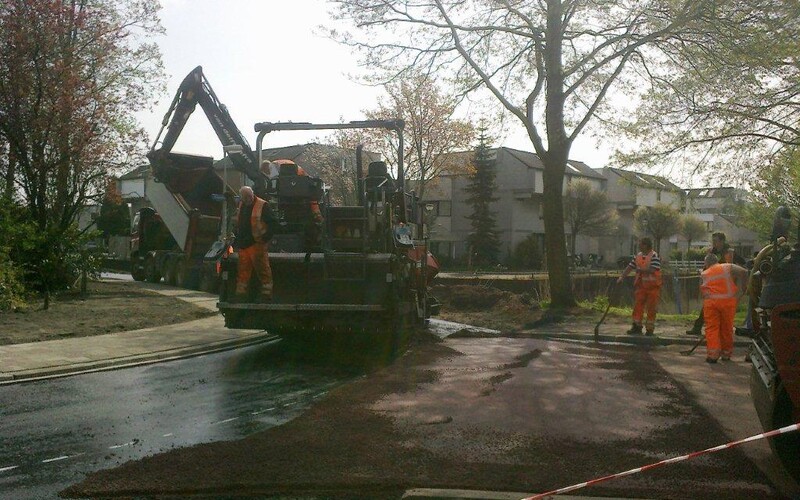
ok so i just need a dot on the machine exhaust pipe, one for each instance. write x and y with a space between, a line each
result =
360 174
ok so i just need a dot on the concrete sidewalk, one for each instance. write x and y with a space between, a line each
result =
58 358
582 330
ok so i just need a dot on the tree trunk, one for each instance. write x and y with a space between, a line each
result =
8 192
572 243
554 239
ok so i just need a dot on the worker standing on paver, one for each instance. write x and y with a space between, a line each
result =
289 167
721 287
254 221
647 286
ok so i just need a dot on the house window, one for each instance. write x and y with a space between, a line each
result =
440 208
441 249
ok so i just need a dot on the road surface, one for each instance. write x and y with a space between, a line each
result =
54 432
508 414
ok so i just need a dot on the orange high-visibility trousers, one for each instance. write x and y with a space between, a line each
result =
718 315
646 300
254 258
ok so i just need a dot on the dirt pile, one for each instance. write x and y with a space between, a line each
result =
486 306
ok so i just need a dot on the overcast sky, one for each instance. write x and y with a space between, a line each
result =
265 63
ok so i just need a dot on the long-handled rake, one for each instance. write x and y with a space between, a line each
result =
688 352
608 308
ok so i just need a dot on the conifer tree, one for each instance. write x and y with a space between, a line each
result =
483 241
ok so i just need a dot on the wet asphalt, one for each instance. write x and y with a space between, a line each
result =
52 433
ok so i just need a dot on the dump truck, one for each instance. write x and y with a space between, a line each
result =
364 280
175 240
775 348
357 279
180 239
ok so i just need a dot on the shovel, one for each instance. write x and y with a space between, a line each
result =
608 308
690 351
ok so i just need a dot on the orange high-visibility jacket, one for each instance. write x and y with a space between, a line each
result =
718 282
257 226
646 279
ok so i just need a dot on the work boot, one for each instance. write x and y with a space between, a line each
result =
649 332
240 298
694 331
635 330
711 360
265 298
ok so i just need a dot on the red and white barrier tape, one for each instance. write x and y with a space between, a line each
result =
782 430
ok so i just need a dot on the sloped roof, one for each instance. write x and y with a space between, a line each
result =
531 160
287 152
714 192
135 173
645 180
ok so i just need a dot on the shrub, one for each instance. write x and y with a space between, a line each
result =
695 254
527 254
12 289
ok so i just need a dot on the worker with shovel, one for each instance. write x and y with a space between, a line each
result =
647 286
721 287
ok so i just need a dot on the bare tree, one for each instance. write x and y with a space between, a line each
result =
587 211
432 131
549 63
725 98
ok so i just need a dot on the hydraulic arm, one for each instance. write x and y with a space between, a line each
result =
195 90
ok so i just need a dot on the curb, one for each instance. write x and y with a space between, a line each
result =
628 339
457 494
136 360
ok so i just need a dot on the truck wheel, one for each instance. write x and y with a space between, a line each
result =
137 273
169 271
786 446
151 271
180 273
208 282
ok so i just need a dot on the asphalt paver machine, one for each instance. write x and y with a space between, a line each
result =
360 278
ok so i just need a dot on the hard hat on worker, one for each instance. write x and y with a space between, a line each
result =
281 166
288 167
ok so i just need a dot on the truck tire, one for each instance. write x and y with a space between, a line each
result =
169 271
786 446
137 273
151 271
208 281
180 273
